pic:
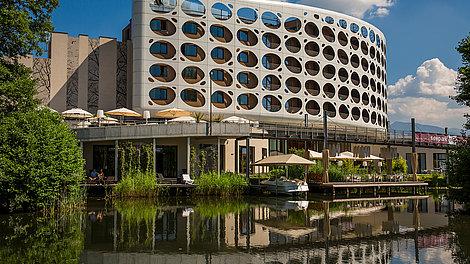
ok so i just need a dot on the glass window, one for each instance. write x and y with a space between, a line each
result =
189 95
378 41
243 78
190 28
218 54
218 98
217 75
271 20
243 99
159 94
329 20
243 57
372 36
159 48
354 28
439 161
190 73
190 50
343 23
243 35
247 15
217 31
364 32
158 25
268 82
159 71
221 11
193 8
163 6
292 24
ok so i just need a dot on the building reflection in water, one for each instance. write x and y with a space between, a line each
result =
264 231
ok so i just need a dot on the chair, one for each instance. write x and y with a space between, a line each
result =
187 179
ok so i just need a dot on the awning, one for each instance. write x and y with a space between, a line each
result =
172 113
124 112
284 160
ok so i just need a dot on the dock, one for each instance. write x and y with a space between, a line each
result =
375 186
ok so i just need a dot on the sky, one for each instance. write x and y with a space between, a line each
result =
421 37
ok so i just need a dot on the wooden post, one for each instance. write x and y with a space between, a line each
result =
414 158
447 155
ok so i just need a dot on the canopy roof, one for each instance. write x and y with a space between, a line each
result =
77 113
290 159
345 156
123 112
372 157
172 113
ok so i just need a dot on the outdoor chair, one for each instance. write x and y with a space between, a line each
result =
187 179
161 179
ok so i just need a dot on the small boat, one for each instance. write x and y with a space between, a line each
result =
283 185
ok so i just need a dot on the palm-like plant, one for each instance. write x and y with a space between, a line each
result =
198 116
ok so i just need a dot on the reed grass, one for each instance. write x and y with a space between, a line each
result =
225 184
137 184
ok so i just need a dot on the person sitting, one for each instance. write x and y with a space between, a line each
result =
101 176
93 175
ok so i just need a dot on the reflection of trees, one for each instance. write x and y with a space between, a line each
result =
44 239
461 242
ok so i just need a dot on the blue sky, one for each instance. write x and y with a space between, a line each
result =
416 30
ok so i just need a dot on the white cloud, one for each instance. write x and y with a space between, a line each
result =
357 8
426 96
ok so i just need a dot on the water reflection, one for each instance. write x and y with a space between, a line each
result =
250 230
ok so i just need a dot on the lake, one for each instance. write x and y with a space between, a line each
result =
246 230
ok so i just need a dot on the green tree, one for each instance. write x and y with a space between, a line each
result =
17 89
41 164
24 25
399 165
463 82
458 171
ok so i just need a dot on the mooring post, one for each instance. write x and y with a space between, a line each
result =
414 161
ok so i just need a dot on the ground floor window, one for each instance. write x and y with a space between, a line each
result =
103 159
242 158
421 163
439 161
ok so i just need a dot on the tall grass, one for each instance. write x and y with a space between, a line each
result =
227 184
137 184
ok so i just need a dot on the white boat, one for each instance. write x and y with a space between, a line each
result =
285 186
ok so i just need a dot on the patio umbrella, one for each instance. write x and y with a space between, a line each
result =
183 119
237 119
172 113
76 113
284 160
123 112
372 158
104 120
315 155
345 156
83 124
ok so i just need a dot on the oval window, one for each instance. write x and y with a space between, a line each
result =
162 95
293 24
271 20
163 6
247 15
193 8
221 11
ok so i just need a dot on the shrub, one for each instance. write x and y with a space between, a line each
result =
224 185
41 163
399 165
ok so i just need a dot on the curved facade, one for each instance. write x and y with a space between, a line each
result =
267 61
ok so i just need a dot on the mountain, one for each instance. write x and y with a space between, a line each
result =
404 126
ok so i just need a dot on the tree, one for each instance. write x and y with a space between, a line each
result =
458 171
17 89
40 161
399 165
463 82
24 25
